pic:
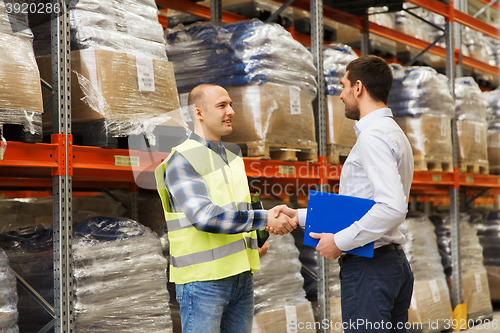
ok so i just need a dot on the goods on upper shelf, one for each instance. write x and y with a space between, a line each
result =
430 304
278 308
121 78
423 107
8 296
475 290
21 105
488 231
268 75
492 99
112 255
340 134
471 126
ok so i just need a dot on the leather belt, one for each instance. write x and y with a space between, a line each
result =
376 252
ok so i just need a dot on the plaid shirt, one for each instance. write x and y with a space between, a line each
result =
188 193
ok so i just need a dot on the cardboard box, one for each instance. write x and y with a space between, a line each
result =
472 142
339 129
430 305
429 135
494 282
272 113
20 88
476 294
299 316
119 86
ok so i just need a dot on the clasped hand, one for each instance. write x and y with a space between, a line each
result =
281 220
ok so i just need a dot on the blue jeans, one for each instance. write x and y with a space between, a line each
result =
224 305
376 293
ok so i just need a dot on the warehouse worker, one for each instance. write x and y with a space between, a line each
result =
375 292
211 227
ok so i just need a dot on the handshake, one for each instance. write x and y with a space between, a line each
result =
281 220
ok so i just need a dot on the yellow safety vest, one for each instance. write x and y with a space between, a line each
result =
202 256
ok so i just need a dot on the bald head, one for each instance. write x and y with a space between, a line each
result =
197 95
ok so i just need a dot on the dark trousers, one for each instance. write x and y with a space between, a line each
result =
376 293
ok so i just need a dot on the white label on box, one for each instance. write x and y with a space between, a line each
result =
132 161
444 125
294 99
291 318
477 133
186 115
434 290
479 286
1 153
145 73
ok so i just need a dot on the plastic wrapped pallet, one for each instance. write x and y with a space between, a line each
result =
423 107
247 52
278 309
272 114
112 255
31 256
121 76
430 305
8 296
488 231
492 99
380 45
20 89
482 48
471 126
340 134
475 290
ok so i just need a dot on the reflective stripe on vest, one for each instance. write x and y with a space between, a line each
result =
183 223
214 254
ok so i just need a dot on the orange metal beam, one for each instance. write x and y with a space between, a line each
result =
460 17
19 154
197 9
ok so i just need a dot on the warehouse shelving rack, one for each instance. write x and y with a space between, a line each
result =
60 167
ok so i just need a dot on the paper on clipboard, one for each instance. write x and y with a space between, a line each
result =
331 213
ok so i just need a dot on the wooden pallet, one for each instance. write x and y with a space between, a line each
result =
337 154
478 168
433 164
281 152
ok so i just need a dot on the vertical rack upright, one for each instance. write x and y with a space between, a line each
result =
62 176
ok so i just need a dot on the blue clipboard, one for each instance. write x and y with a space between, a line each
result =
331 213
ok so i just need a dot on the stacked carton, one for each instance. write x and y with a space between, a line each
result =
430 307
20 89
423 107
471 126
279 309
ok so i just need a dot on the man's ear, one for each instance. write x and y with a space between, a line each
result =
198 113
358 88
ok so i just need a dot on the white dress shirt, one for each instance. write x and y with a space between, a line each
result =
379 167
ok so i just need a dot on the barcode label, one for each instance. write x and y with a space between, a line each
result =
294 100
145 73
291 318
479 286
434 291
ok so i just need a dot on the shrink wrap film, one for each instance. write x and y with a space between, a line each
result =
133 94
20 89
242 53
110 256
272 113
488 231
423 107
492 99
8 297
278 308
475 290
431 298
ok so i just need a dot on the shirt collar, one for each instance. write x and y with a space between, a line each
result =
217 147
373 116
